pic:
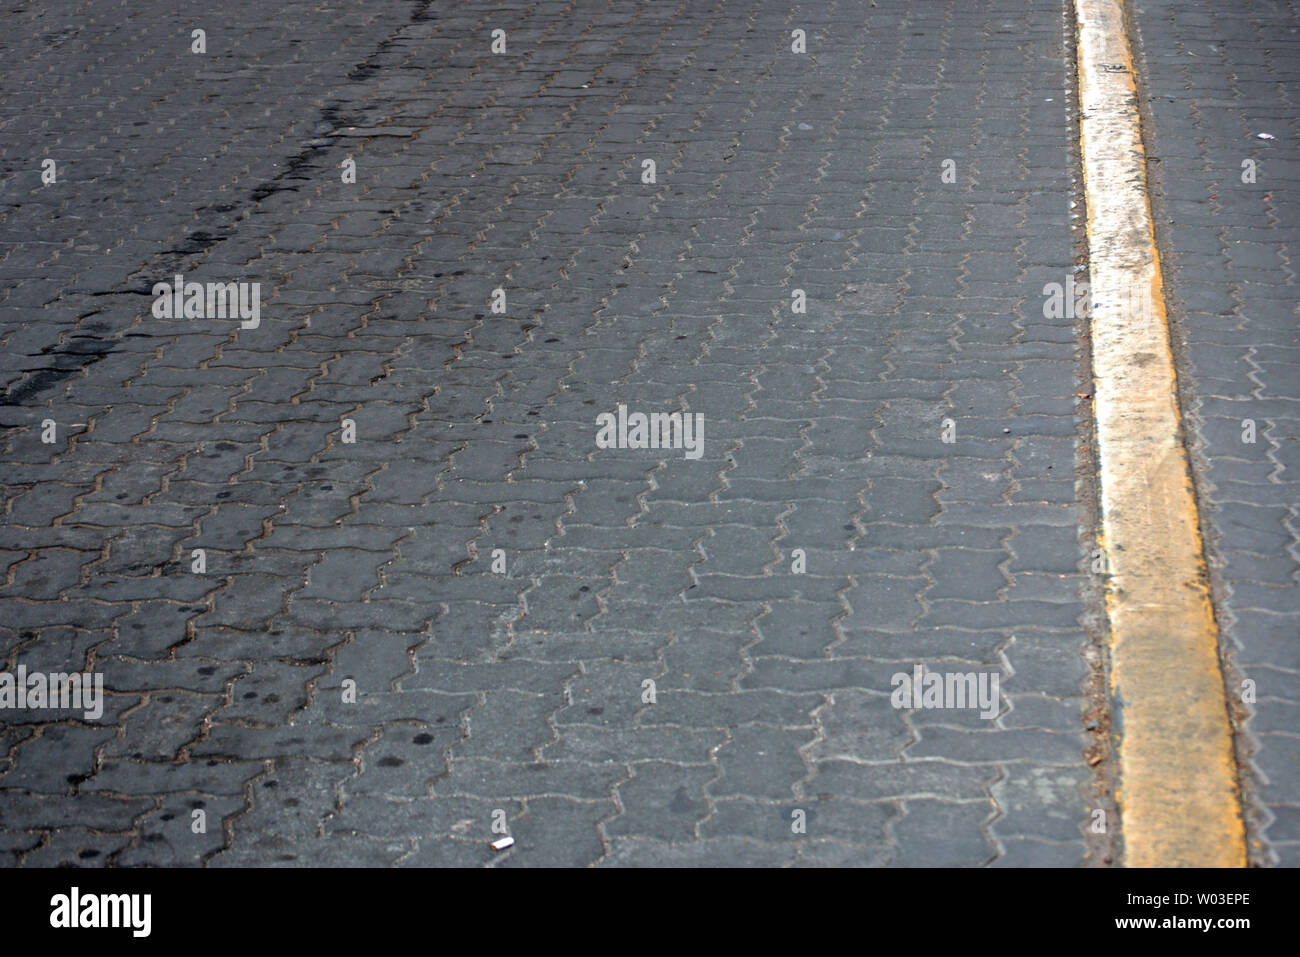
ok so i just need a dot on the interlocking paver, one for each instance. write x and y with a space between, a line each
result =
334 558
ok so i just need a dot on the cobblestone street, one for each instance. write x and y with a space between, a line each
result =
385 566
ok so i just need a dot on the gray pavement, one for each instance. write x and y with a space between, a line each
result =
1227 204
916 432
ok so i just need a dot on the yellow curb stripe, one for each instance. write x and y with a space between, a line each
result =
1178 792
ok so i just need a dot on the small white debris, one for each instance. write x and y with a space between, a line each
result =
1266 136
500 844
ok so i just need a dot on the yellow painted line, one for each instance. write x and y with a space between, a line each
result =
1177 793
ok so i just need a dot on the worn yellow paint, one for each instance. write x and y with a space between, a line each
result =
1178 792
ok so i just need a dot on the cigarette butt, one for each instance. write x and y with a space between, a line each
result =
502 843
